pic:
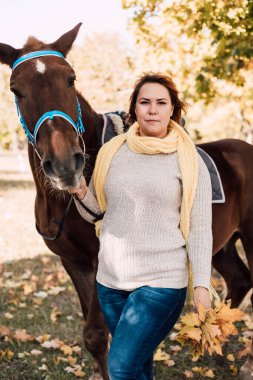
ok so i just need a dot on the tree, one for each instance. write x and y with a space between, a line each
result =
207 46
218 34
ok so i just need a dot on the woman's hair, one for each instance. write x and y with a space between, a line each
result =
165 81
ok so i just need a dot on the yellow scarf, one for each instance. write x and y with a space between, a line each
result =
176 140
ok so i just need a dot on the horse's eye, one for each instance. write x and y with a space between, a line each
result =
17 93
71 81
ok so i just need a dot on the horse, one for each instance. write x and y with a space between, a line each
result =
64 133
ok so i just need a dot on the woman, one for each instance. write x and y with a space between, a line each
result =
155 193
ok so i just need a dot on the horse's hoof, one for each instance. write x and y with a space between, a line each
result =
97 376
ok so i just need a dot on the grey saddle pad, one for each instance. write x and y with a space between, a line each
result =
109 131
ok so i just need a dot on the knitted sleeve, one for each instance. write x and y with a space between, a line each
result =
200 240
90 202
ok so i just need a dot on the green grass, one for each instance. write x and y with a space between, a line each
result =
44 272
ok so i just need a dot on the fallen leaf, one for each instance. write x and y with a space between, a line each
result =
6 354
77 350
21 355
169 363
188 374
67 350
233 369
55 313
36 352
56 290
37 302
55 343
43 367
4 331
175 349
41 294
209 373
21 334
72 361
43 338
231 357
28 288
26 275
79 373
161 355
8 316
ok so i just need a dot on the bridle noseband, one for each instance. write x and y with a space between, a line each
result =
32 138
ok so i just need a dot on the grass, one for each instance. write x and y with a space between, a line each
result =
34 314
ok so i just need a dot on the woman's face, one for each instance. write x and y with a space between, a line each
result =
153 110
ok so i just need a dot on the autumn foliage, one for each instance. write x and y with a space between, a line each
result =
206 330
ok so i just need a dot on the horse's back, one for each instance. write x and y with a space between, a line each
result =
231 155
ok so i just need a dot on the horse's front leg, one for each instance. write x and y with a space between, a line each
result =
95 332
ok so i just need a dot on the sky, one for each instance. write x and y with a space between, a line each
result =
49 19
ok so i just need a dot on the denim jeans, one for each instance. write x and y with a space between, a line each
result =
138 321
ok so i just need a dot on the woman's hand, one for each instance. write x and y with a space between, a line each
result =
201 295
81 190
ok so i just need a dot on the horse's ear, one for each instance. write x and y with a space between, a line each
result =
64 43
8 54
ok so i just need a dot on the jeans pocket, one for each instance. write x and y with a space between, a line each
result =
110 296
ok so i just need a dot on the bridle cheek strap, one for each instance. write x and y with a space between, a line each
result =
78 126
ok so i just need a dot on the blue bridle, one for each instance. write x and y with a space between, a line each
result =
78 126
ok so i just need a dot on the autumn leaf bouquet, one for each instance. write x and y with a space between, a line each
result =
206 330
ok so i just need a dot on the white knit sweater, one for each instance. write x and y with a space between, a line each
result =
140 239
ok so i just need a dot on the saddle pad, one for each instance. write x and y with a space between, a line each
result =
218 195
114 125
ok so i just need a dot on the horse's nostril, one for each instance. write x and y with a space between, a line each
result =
47 167
79 161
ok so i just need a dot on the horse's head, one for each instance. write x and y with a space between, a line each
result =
47 101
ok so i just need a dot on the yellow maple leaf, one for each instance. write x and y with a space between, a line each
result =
190 332
206 330
202 312
190 319
161 355
227 314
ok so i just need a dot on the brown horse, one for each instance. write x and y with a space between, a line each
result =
46 83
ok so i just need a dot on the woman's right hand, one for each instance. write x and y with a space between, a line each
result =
81 190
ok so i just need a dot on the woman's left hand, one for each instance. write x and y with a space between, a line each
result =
201 295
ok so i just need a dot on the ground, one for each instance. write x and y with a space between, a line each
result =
37 296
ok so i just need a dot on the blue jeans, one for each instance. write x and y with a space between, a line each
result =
138 321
